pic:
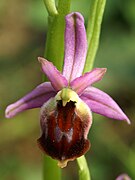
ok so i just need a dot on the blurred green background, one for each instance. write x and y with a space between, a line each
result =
23 28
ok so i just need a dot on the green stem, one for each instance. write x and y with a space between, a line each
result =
54 51
64 7
93 34
93 31
50 169
51 8
84 173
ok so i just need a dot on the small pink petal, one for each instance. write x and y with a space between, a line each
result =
81 83
57 80
34 99
75 46
123 177
101 103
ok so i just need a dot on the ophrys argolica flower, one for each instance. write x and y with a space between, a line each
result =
68 99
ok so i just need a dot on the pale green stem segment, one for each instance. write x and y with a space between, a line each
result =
84 173
51 8
50 169
93 31
54 51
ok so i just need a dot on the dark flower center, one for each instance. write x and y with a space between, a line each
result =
63 133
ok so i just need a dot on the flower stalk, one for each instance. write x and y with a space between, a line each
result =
54 50
50 169
84 172
54 47
51 7
93 31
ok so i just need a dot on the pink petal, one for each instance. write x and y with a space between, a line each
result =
123 177
101 103
81 83
75 46
57 80
34 99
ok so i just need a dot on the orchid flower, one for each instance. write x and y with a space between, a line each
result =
123 177
67 101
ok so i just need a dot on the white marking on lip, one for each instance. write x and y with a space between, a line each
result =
59 134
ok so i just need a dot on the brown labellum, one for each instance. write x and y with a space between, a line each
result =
63 133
